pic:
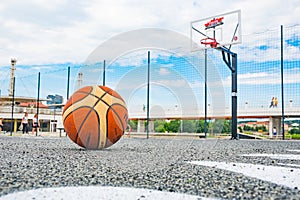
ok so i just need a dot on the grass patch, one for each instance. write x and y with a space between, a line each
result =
293 136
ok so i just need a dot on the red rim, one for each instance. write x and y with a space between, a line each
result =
209 41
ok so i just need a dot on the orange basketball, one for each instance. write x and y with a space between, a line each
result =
95 117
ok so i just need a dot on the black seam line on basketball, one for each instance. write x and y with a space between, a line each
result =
75 110
100 99
89 94
84 120
91 109
110 106
83 92
95 104
107 121
76 137
87 115
88 139
114 103
106 126
118 118
117 104
107 92
99 122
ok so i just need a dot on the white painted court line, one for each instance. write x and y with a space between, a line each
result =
290 165
99 193
275 156
294 150
279 175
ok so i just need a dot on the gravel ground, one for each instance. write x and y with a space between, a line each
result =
160 164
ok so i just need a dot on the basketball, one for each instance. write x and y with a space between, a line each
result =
95 117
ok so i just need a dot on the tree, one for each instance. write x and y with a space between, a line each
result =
240 128
220 126
173 126
189 126
226 126
295 131
133 124
200 126
159 126
260 128
247 128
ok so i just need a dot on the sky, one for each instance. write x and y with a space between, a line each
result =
47 36
59 31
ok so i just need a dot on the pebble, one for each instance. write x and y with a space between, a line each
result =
160 164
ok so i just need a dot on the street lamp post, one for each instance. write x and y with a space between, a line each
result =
12 92
13 62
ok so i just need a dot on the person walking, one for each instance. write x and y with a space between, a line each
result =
25 123
272 102
1 124
35 124
275 102
275 132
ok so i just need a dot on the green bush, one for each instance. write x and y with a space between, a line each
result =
294 131
173 126
133 124
296 136
241 129
160 128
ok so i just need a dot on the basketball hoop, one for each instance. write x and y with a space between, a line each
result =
209 41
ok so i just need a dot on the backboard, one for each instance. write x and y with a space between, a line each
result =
216 31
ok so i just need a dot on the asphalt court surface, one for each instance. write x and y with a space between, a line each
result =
195 168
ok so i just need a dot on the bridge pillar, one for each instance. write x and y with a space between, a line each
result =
274 122
141 126
151 126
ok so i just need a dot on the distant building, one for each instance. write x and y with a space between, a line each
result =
49 119
54 99
254 124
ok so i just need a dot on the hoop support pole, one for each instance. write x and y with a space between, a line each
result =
231 62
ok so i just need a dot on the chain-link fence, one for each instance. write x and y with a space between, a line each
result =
177 87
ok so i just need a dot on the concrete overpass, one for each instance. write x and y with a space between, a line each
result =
167 112
158 112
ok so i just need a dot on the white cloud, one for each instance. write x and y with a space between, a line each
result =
43 31
138 57
174 83
163 71
262 78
